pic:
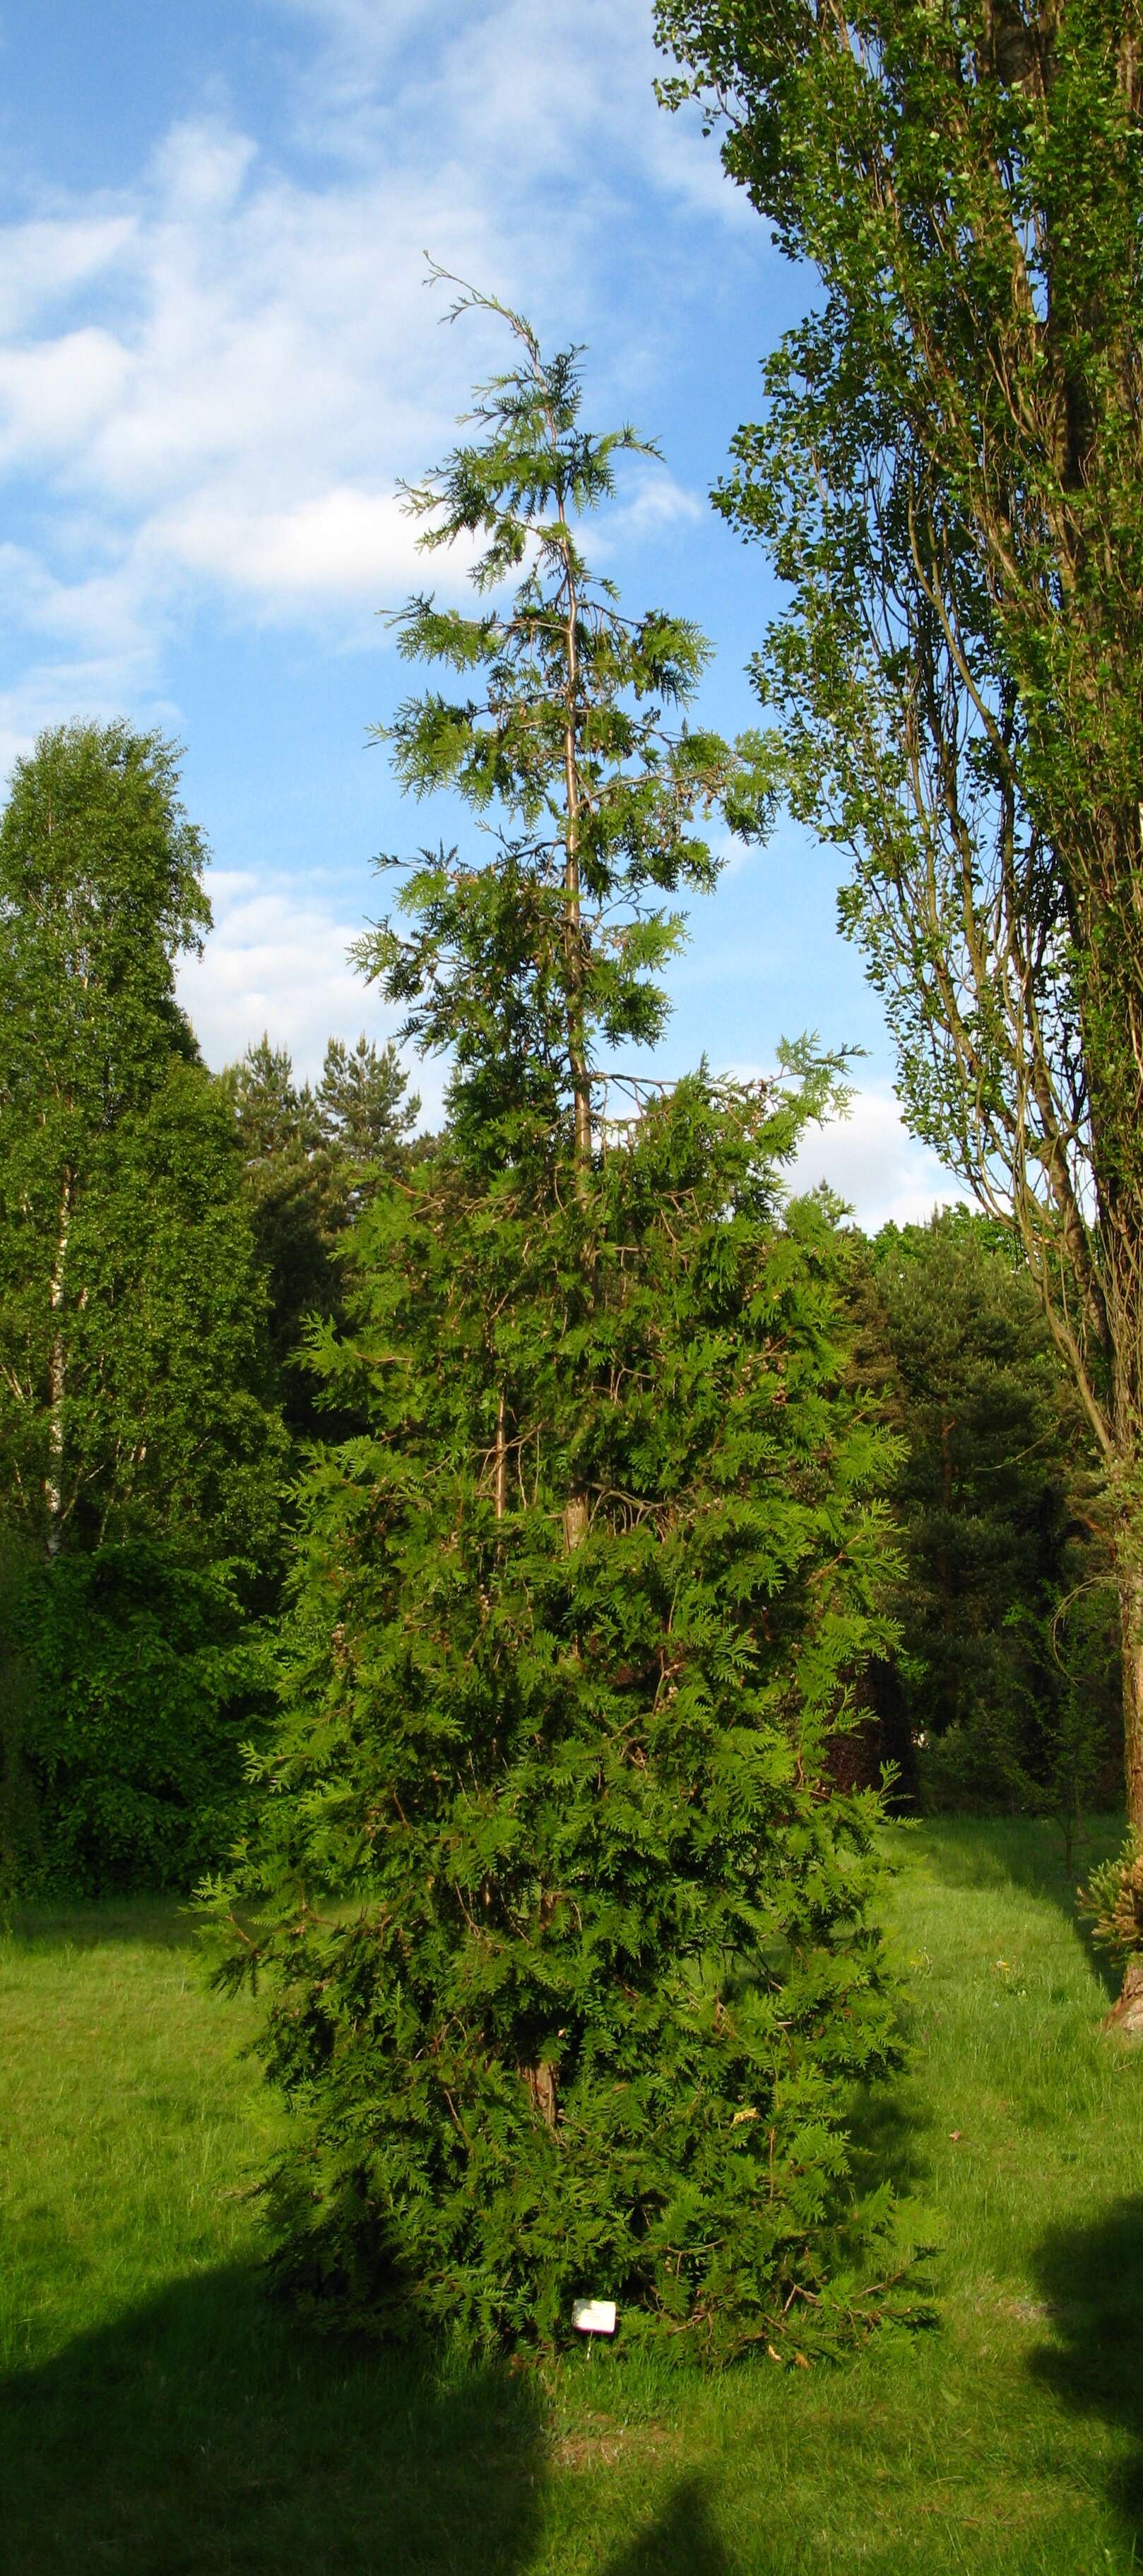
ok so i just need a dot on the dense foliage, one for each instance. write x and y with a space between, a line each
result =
602 1962
948 472
143 1674
1007 1662
311 1153
570 1957
140 1453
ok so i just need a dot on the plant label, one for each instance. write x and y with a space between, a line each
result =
593 2316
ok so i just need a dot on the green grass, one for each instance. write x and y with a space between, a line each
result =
160 2416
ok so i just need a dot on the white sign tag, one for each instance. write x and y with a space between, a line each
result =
593 2316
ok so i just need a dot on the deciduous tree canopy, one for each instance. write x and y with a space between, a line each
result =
949 473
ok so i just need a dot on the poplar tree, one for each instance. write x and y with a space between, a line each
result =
570 1957
948 471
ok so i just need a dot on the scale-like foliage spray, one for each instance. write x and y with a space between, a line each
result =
566 1939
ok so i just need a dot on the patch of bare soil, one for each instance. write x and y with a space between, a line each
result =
597 2442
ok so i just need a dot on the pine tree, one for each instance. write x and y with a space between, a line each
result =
310 1157
569 1953
364 1116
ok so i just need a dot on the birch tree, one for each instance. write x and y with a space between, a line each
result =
139 1454
130 1308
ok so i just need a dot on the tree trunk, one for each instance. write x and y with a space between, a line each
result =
500 1472
576 1508
57 1375
1121 1210
1131 1632
542 2087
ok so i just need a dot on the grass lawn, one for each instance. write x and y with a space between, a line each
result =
160 2416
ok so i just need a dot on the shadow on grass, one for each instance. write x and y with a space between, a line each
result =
209 2431
1027 1852
889 2140
1091 2281
157 1922
682 2541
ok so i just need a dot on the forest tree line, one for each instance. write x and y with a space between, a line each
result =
176 1245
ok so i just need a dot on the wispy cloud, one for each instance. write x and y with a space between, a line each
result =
211 380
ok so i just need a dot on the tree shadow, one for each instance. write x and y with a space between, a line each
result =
682 2540
157 1922
1028 1852
1091 2281
889 2127
210 2431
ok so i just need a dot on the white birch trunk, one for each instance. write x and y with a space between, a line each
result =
57 1376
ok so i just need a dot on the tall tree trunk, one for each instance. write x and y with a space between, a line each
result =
57 1374
1120 1178
577 1047
576 1508
1131 1634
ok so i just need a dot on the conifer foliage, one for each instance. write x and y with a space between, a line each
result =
568 1951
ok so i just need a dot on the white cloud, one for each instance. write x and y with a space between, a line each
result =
874 1164
277 962
341 542
55 395
49 258
657 502
530 94
218 373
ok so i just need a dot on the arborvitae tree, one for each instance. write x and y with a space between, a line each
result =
1006 1602
568 1952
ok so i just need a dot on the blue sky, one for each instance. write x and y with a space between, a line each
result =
217 356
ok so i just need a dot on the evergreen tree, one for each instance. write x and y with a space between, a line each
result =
310 1158
279 1137
364 1117
569 1954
